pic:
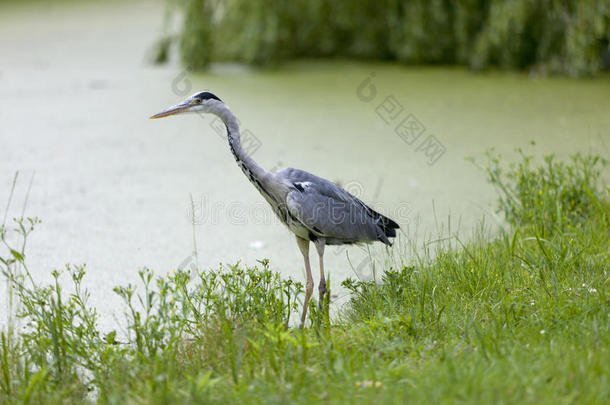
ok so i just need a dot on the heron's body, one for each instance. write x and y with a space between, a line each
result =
322 209
313 208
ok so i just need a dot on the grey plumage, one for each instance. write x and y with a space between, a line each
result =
330 212
313 208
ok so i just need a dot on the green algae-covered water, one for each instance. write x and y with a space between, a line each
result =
113 188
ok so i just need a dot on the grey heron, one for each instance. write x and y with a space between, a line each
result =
314 209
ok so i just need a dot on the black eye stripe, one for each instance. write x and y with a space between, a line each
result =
206 95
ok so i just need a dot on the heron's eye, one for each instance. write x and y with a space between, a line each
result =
196 101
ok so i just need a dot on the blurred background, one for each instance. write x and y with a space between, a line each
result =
545 36
386 98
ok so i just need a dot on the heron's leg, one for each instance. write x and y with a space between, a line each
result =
320 243
304 247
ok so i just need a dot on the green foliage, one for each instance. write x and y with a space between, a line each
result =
175 325
196 35
570 37
552 196
519 318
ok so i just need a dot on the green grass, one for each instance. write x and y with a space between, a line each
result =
520 317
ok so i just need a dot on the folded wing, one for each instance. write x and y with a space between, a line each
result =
330 212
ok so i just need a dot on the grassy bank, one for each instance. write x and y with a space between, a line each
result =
521 317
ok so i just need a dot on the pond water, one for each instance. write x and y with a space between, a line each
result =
114 188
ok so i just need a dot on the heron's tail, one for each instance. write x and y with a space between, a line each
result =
387 226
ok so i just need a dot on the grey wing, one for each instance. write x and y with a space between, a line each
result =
328 211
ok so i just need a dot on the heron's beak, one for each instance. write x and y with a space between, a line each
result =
176 109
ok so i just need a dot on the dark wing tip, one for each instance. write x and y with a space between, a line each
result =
394 225
388 223
390 232
384 238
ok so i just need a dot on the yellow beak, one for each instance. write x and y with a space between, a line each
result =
176 109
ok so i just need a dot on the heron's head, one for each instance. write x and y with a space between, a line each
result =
200 102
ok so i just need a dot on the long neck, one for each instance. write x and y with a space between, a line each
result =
255 173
